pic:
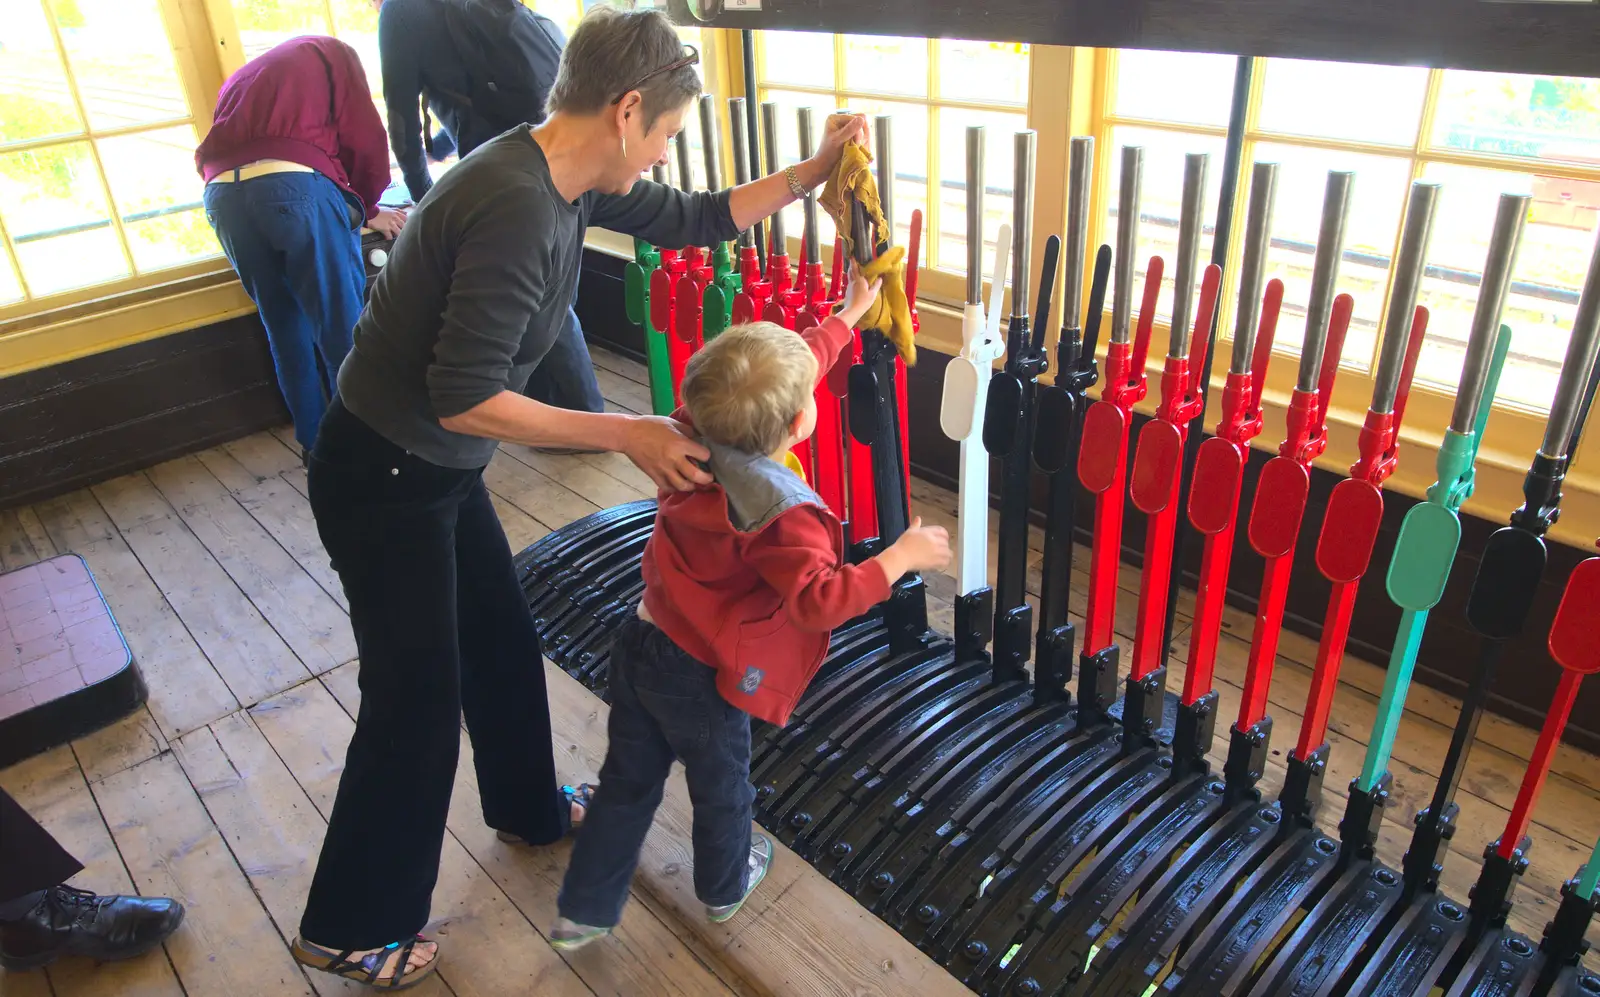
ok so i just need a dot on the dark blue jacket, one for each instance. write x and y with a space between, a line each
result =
419 60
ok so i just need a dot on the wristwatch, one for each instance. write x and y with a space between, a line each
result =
795 186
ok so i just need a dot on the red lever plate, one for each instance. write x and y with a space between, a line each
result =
660 299
1155 466
1279 503
744 309
1349 530
1104 429
776 315
1214 493
1575 634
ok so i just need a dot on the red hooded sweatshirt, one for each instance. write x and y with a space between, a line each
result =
748 575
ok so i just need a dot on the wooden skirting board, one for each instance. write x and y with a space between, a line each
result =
798 934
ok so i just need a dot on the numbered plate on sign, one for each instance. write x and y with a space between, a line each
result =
1100 453
1155 466
1349 530
1429 537
1000 417
1508 577
1214 494
1279 504
959 403
1572 635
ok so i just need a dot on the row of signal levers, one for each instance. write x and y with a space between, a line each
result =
1037 842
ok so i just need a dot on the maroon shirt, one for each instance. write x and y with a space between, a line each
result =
304 101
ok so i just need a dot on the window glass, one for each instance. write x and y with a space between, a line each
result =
158 194
880 64
789 153
1187 87
1557 245
122 61
991 72
1161 199
1377 201
1343 100
265 23
999 176
35 101
798 58
1544 117
55 212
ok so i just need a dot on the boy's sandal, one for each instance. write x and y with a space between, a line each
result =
368 970
581 794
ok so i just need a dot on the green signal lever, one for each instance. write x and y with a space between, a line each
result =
1431 532
637 278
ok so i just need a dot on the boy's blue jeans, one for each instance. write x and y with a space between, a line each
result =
664 706
291 239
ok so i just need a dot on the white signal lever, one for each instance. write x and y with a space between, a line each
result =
966 390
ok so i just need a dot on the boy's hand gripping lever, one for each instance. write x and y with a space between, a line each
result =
1103 447
1350 526
878 477
961 412
1219 471
1008 424
1059 426
1572 641
1154 480
1514 559
754 291
784 304
638 280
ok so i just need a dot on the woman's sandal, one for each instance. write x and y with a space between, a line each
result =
582 795
369 968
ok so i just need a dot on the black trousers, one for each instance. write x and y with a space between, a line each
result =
442 630
30 859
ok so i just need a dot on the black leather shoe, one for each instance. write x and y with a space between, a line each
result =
76 922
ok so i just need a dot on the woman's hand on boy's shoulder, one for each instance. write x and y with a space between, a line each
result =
662 448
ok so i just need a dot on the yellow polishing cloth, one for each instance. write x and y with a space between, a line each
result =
891 314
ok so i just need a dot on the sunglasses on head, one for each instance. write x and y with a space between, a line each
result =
691 58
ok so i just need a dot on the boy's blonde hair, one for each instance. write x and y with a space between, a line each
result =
746 386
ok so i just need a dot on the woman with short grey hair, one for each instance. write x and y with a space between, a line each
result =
473 294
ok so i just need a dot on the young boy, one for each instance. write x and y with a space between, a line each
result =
744 580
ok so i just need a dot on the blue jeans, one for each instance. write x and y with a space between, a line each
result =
290 238
565 377
664 706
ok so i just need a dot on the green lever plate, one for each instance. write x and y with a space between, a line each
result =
715 310
635 283
1423 556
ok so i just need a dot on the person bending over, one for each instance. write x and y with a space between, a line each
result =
743 583
294 163
465 310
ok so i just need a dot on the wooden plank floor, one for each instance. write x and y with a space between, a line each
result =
218 791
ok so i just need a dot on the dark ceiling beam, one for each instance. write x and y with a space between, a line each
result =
1560 37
